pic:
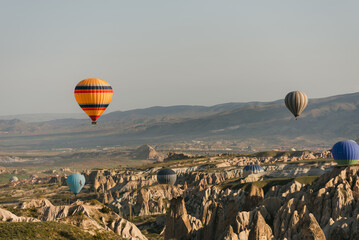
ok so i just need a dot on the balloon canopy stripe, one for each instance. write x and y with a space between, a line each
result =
94 105
93 91
86 87
94 108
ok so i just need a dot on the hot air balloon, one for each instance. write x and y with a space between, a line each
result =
296 102
252 169
13 179
75 182
93 95
166 176
346 152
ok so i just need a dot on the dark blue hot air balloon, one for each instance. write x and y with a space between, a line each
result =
75 182
166 176
346 152
252 169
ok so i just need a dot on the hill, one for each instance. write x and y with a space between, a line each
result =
41 117
325 121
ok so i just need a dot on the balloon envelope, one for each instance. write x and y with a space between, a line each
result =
296 102
93 95
252 169
346 152
13 179
75 182
166 176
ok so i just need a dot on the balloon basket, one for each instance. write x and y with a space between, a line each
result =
94 123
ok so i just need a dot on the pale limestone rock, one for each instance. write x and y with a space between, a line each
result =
8 216
310 229
259 229
126 229
254 197
177 222
35 203
230 235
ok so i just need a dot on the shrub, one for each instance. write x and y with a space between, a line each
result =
106 210
94 202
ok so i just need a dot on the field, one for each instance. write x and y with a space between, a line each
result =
77 159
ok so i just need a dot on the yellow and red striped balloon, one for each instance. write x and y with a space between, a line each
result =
93 95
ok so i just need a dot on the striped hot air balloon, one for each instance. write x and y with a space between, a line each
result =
296 102
166 176
93 95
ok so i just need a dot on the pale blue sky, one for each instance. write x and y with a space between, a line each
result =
175 52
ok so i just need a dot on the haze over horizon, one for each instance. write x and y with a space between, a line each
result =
82 115
175 53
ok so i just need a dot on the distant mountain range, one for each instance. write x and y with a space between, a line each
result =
325 121
42 117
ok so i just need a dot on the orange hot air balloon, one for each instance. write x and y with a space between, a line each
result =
93 95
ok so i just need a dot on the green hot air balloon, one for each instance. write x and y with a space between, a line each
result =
296 102
75 182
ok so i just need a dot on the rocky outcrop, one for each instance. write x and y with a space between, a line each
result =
213 221
254 197
87 217
52 213
35 203
147 152
311 229
8 216
150 201
126 229
171 156
84 222
230 235
334 201
142 203
285 191
327 209
294 221
260 229
178 225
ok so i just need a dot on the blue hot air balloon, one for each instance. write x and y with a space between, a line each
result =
252 169
75 182
346 152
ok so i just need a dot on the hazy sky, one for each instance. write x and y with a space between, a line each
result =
175 52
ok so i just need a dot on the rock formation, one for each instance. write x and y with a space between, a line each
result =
147 152
327 209
7 216
177 221
87 217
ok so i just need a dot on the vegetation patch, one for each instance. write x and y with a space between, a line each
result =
106 209
47 230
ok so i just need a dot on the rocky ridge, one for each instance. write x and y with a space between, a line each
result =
327 209
90 218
